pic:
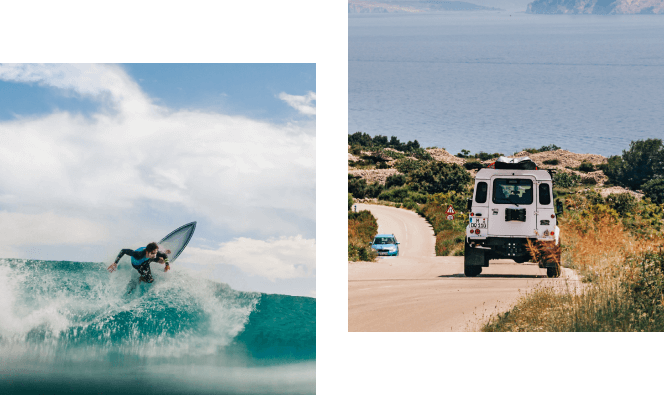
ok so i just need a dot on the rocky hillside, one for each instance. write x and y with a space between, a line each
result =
567 162
596 7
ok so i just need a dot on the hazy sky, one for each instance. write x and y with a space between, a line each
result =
96 157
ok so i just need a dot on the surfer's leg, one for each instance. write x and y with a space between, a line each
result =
144 270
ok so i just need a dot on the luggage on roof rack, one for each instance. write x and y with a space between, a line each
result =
523 163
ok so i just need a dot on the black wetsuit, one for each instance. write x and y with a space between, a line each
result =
141 262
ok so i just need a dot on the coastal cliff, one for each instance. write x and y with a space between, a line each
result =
603 7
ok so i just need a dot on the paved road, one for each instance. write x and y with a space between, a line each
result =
418 291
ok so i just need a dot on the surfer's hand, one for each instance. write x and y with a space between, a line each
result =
161 260
167 268
112 268
168 252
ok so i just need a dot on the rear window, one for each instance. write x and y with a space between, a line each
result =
384 240
512 191
544 194
480 194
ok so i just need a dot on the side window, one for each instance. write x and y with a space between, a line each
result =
544 194
480 195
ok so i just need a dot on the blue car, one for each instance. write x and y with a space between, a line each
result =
386 245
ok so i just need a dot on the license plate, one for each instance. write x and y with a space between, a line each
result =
382 253
480 225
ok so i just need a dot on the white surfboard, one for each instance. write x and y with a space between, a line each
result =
177 240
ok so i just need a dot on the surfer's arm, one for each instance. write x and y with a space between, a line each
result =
126 251
163 258
114 265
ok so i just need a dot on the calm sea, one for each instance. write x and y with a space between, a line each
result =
501 82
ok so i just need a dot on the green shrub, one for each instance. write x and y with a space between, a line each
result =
654 189
644 161
395 180
593 197
552 162
435 177
364 140
357 186
401 194
480 155
409 204
623 203
406 166
566 180
374 190
586 167
350 201
544 148
360 139
595 212
463 154
588 181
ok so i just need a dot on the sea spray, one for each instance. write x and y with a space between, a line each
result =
76 319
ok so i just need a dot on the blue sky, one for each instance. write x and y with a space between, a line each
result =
101 157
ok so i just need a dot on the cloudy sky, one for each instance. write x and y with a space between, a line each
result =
95 158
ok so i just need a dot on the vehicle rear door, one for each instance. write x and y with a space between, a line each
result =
512 209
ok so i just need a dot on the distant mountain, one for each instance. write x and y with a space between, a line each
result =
596 7
386 6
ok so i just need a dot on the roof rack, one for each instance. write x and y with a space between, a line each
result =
523 163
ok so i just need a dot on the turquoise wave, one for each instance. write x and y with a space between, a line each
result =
59 313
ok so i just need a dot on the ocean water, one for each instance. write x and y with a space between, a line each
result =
501 81
70 327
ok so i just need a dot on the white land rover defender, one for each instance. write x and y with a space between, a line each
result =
512 204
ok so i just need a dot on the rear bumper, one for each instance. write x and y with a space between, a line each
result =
505 248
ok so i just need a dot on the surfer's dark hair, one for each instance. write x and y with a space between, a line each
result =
151 247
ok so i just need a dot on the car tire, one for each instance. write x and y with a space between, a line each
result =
472 271
553 271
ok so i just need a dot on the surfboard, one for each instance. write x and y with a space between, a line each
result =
177 240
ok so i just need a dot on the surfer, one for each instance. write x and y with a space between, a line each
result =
141 259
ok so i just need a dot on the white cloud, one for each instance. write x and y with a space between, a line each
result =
239 173
303 104
48 229
282 258
91 80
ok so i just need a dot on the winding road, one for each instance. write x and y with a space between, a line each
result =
418 291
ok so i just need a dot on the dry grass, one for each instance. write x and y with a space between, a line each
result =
362 228
624 288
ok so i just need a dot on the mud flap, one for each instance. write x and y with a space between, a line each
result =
474 256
